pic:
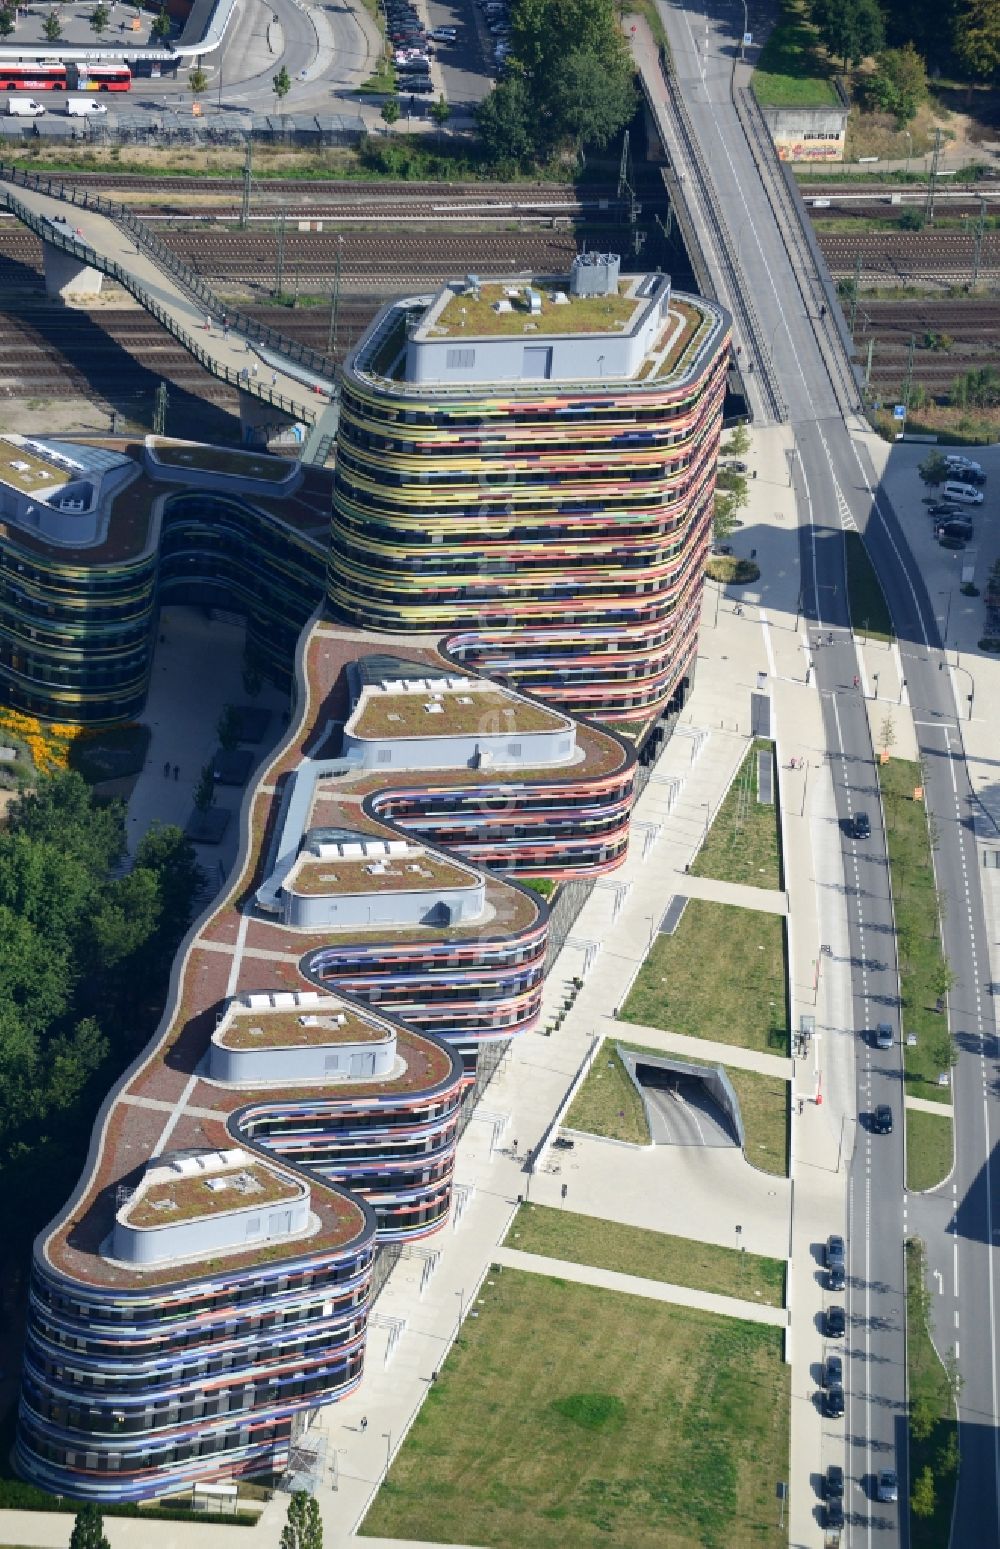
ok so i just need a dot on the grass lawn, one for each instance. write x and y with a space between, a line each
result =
791 71
921 959
632 1250
870 614
728 570
743 842
567 1417
608 1104
933 1427
721 975
929 1152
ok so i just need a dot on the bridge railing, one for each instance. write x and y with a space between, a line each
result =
68 243
148 242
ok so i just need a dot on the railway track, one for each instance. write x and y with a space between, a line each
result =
937 255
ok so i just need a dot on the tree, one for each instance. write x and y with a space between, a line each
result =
590 100
303 1528
100 17
887 734
88 1529
899 84
942 1050
390 111
934 469
977 389
440 112
228 728
197 81
739 442
170 856
204 791
161 25
504 118
52 27
724 517
923 1417
6 23
977 38
922 1500
281 85
850 29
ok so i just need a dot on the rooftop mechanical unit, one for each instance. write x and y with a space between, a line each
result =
595 274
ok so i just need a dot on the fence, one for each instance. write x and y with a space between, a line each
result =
155 248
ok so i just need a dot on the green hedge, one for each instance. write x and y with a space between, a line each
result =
19 1495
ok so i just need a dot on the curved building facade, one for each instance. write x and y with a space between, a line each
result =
531 471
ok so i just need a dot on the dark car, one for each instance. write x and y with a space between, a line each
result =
833 1371
836 1261
940 509
882 1119
956 528
888 1485
955 544
417 86
835 1322
862 827
833 1483
834 1516
833 1400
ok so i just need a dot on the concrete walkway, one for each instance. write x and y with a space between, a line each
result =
704 1049
227 356
924 1105
638 1285
767 899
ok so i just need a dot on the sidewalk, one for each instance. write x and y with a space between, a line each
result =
636 1285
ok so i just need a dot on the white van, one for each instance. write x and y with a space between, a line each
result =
24 107
82 107
967 493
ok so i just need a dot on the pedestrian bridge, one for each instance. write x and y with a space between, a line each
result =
86 237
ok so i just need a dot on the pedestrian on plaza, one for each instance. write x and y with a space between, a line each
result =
166 770
364 1422
513 1148
208 325
254 369
274 379
177 771
564 1190
857 680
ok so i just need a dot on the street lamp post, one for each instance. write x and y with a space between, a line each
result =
875 681
388 1450
947 616
909 149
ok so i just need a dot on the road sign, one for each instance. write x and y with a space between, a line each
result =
899 411
747 39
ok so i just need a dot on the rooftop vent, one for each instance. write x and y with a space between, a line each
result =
595 274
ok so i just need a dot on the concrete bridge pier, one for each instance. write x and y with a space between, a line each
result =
66 275
261 422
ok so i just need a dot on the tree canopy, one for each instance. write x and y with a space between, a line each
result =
850 29
86 945
569 82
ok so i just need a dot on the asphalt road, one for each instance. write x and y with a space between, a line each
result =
835 490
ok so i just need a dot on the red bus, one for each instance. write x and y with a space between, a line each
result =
24 75
103 78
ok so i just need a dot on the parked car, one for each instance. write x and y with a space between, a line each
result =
957 527
833 1400
882 1119
417 86
443 34
888 1485
833 1516
836 1261
941 508
833 1482
733 465
954 544
835 1322
833 1371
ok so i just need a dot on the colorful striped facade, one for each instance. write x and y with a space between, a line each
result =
541 548
558 536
